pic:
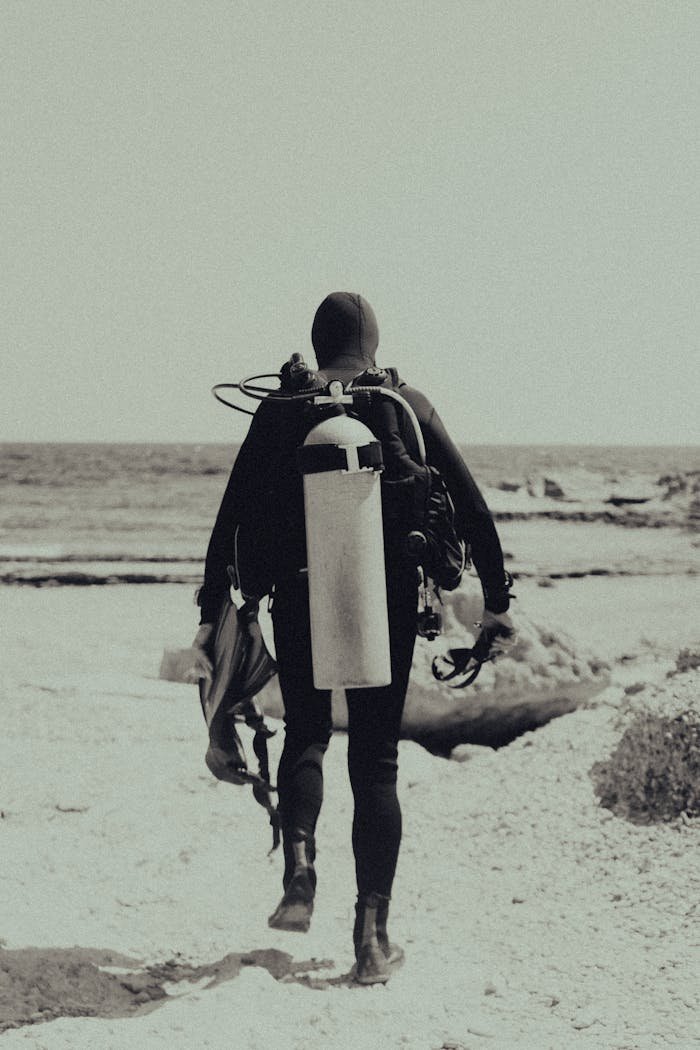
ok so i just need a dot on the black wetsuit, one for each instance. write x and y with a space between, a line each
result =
374 715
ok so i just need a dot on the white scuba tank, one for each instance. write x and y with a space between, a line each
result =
345 549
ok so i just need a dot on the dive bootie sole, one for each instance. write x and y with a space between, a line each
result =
372 965
294 911
293 916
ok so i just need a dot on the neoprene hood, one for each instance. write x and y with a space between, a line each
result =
344 330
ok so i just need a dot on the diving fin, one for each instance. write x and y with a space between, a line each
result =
242 665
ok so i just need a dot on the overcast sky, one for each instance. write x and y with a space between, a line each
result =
514 186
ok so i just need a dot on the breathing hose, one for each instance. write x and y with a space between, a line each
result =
260 393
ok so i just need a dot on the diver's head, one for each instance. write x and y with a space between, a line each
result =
344 331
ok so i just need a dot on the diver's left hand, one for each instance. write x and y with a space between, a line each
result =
498 630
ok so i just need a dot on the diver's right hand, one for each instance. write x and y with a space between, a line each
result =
201 666
203 635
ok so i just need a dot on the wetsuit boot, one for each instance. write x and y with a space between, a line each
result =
372 965
296 907
392 952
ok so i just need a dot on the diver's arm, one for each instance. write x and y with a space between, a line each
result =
241 482
218 558
474 521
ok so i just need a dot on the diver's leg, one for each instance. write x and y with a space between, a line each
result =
372 762
374 723
308 728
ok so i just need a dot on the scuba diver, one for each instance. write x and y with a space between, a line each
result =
265 489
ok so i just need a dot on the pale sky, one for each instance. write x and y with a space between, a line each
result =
514 186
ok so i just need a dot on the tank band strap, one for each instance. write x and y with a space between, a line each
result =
317 459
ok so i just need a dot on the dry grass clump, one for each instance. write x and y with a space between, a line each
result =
654 773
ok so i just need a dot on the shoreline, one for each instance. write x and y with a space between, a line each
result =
84 579
533 549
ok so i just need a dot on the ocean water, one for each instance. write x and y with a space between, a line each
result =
97 513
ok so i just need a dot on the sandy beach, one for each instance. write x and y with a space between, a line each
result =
508 195
137 887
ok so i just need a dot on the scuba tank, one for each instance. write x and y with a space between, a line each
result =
341 462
